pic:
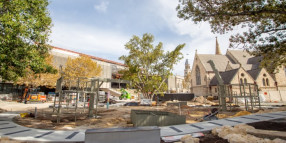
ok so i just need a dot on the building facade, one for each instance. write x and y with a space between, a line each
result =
235 67
109 68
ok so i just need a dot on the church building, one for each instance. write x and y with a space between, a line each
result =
235 67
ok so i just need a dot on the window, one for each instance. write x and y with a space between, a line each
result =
267 82
215 90
245 80
263 81
198 76
242 74
241 81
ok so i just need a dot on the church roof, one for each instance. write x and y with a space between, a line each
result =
247 61
220 61
254 73
226 76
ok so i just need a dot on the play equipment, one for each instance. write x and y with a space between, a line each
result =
124 94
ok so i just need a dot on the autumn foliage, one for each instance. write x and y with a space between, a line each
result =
82 66
42 79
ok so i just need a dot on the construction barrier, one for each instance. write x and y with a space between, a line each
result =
174 96
123 135
155 118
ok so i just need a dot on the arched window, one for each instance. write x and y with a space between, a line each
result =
241 81
245 81
198 76
263 81
267 82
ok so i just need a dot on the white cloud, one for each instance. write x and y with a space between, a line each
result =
200 36
102 7
89 40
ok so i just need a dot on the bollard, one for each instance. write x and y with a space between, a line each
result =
35 112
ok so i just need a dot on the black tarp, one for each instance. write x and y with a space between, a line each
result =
174 96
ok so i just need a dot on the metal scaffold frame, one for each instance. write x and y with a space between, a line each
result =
224 92
83 86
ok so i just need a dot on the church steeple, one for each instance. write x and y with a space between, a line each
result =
217 49
187 68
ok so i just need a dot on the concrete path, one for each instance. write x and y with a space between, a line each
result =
14 131
209 125
17 132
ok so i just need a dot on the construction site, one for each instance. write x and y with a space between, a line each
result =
122 115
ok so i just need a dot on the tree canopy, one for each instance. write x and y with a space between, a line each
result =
265 19
148 66
24 29
82 66
40 79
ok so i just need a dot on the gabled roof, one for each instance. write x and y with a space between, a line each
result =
226 76
92 57
220 61
254 73
247 61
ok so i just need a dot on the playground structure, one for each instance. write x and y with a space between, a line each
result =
82 88
245 92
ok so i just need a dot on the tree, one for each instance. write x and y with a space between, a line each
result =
265 19
41 79
187 81
24 29
82 66
148 65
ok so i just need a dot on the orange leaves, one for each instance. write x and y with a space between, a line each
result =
81 67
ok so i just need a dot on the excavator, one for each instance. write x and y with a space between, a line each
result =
31 95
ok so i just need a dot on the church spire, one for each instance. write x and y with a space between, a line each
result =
217 49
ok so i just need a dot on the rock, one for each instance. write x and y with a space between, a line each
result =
189 139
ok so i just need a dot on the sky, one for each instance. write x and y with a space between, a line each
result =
101 28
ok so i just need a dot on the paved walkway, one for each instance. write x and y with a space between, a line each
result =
14 131
209 125
17 132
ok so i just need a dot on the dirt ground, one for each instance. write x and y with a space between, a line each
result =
116 116
108 118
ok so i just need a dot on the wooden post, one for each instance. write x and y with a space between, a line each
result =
59 107
97 96
35 112
251 98
77 95
91 100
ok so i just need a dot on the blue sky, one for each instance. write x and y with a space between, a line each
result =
102 27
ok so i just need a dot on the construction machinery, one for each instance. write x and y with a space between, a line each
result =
31 95
124 94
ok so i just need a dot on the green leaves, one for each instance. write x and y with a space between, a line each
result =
24 29
148 65
266 20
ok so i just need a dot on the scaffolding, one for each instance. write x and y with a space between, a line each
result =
81 88
244 93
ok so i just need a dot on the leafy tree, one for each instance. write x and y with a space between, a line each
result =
265 19
24 29
82 66
41 79
187 81
148 65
